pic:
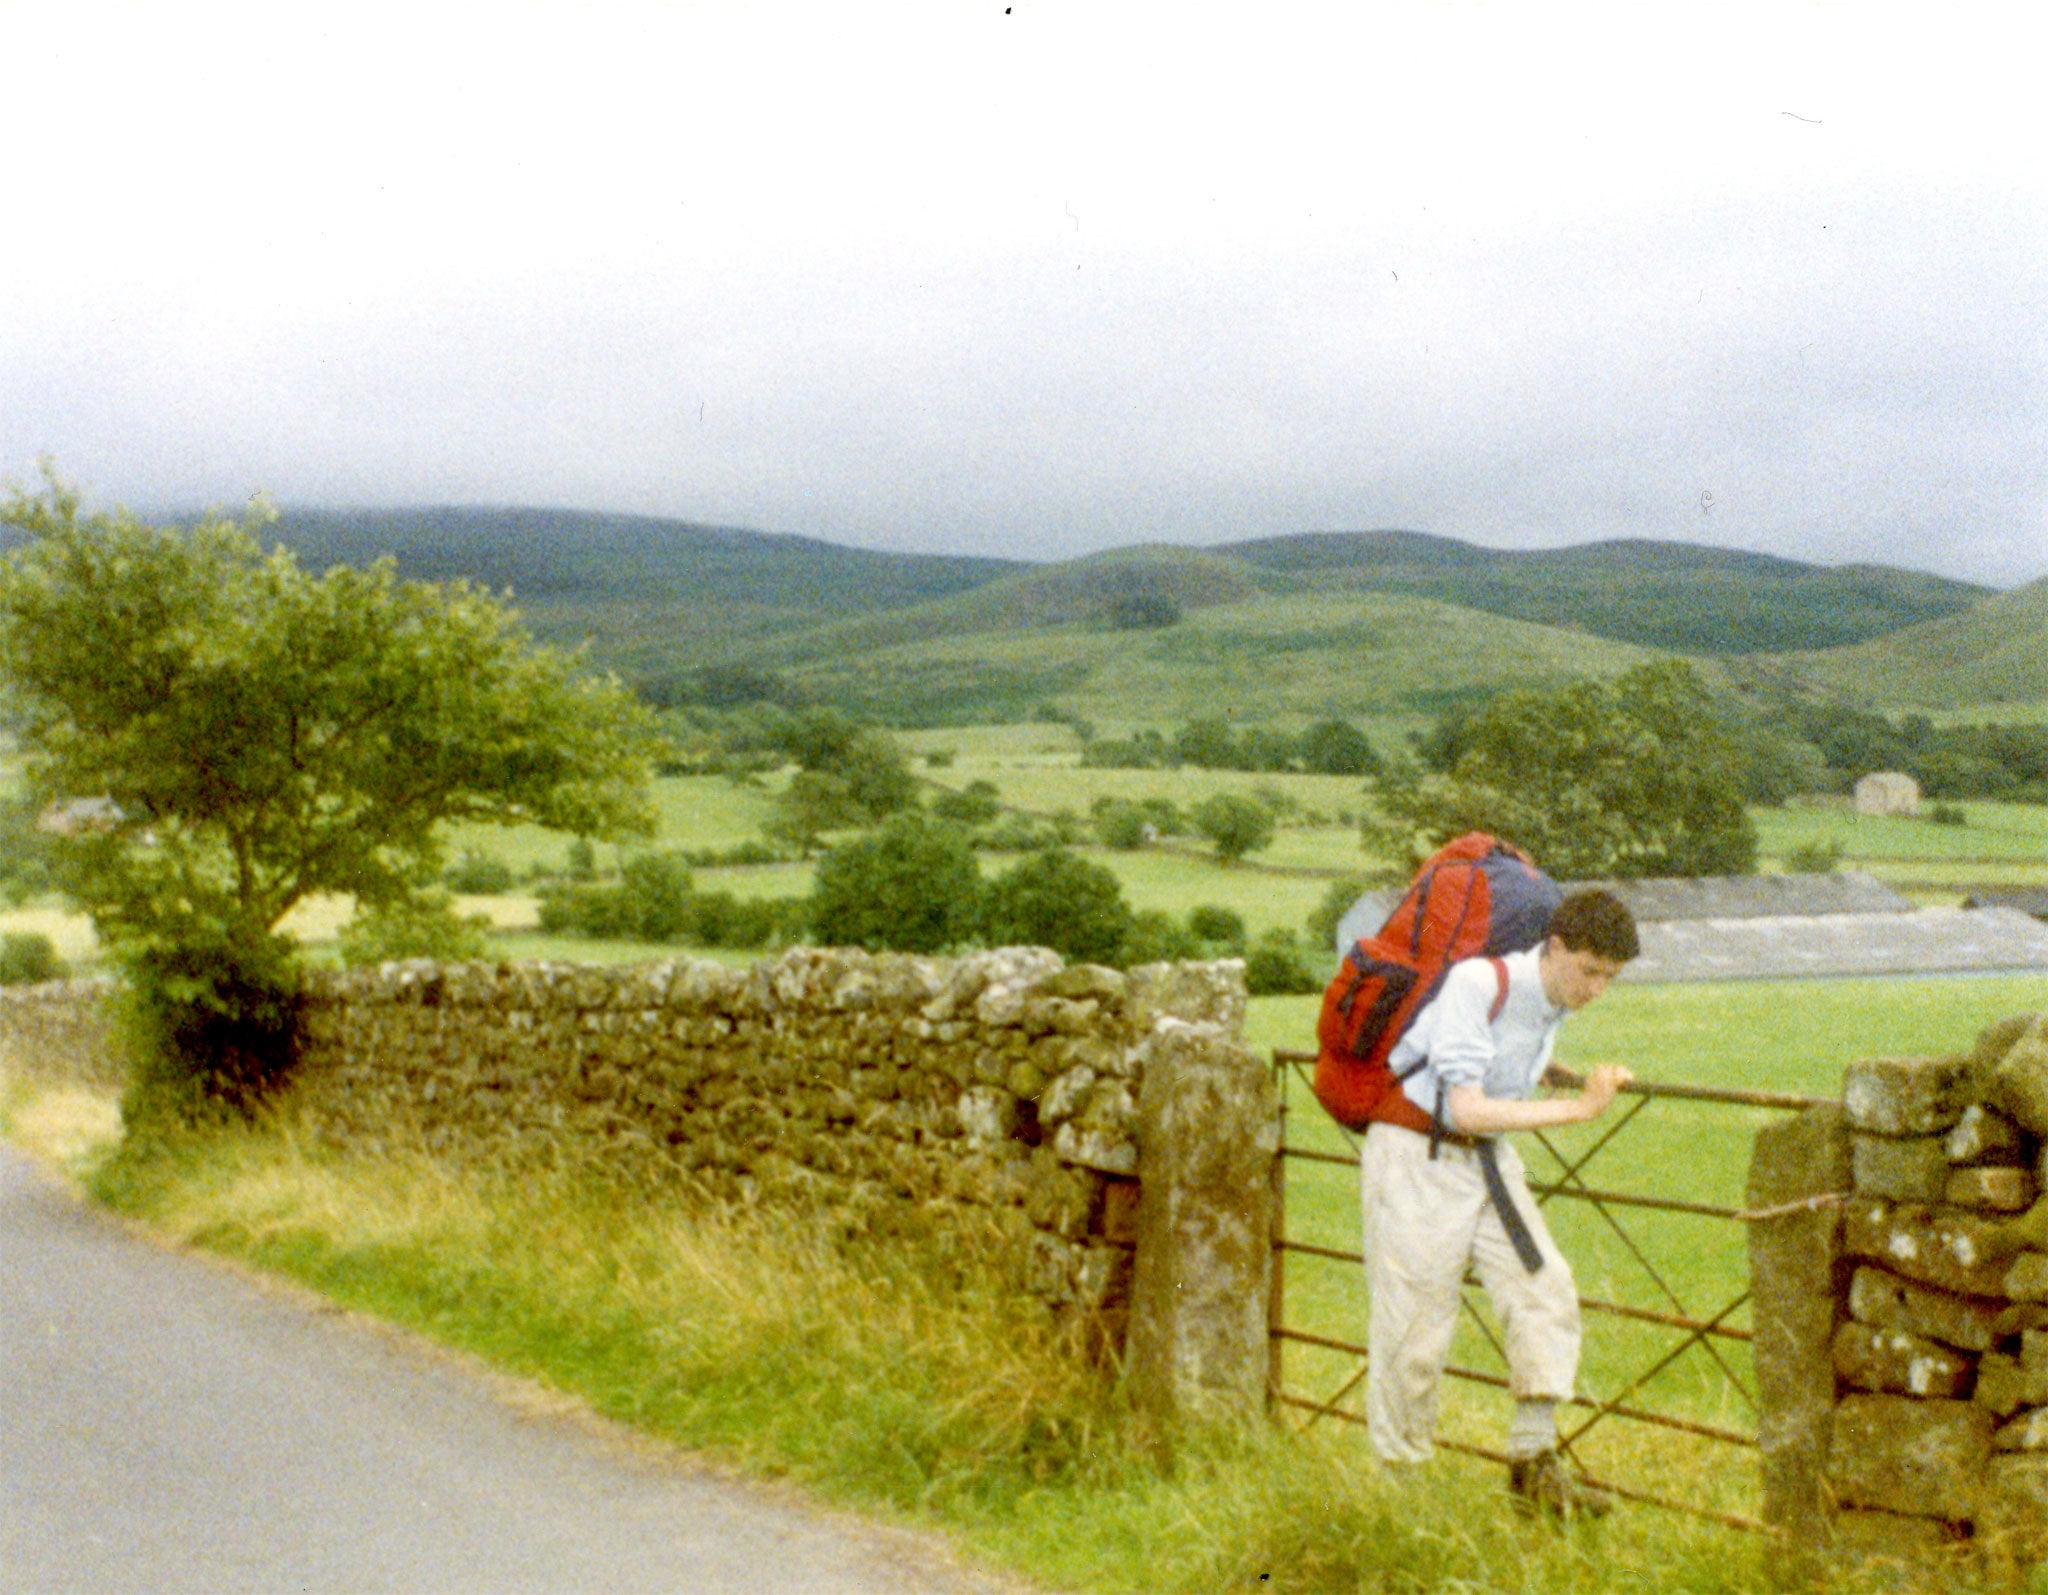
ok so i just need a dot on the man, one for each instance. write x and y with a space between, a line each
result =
1441 1194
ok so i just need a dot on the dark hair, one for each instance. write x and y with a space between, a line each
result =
1594 920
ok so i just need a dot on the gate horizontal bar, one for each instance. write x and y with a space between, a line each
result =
1658 1088
1727 1519
1592 1304
1574 1191
1476 1376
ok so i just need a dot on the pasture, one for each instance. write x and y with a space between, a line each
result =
1782 1036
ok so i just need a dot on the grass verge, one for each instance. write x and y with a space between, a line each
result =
759 1341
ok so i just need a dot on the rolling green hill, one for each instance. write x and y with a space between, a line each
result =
1991 657
1677 596
652 595
1378 624
1386 659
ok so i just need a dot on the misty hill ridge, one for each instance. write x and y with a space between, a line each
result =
648 590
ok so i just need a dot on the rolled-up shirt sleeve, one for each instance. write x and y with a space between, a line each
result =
1461 1042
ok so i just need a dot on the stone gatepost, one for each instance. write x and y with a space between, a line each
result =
1208 1131
1795 1253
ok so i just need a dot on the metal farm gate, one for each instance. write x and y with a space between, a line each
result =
1667 1396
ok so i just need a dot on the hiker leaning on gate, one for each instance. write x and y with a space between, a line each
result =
1440 1193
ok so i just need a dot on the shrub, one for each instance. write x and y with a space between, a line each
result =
581 861
975 804
912 886
1156 937
1276 966
1056 900
479 874
1948 814
28 958
1220 927
601 912
426 927
1814 858
1021 833
213 1026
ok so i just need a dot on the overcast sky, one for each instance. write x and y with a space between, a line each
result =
1037 278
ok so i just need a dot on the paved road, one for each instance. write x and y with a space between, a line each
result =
168 1425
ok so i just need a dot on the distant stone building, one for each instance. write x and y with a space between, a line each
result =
1887 792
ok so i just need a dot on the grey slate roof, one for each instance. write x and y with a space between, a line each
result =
1768 927
2027 899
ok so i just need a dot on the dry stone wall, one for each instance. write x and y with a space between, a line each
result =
1004 1102
1902 1331
993 1095
59 1033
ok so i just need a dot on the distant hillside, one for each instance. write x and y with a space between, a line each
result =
1683 597
1391 660
646 591
1994 654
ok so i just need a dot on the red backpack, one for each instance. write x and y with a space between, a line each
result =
1473 898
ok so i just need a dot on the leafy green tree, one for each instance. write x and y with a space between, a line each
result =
424 926
976 804
913 886
1337 747
1625 779
1119 824
1054 899
257 734
1236 825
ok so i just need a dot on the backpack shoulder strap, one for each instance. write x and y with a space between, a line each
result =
1500 994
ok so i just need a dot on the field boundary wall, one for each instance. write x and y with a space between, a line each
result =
1105 1136
1899 1267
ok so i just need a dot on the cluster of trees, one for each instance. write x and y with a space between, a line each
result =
1965 761
654 899
1619 779
1329 747
915 885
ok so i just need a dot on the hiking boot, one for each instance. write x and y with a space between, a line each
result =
1541 1483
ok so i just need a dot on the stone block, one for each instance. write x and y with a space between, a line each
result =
1065 1097
1891 1359
1984 1135
2018 1317
2005 1385
2027 1280
1901 1170
2027 1432
1884 1301
1095 1149
2028 1232
1990 1190
1919 1458
1996 1039
1092 982
1946 1248
2019 1085
2014 1519
1906 1096
1209 1130
1205 993
988 1114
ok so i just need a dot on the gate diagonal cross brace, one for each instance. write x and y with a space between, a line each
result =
1571 1183
1572 1176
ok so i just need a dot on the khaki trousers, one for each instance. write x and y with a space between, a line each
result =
1425 1220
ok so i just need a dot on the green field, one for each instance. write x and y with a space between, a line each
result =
1733 1036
